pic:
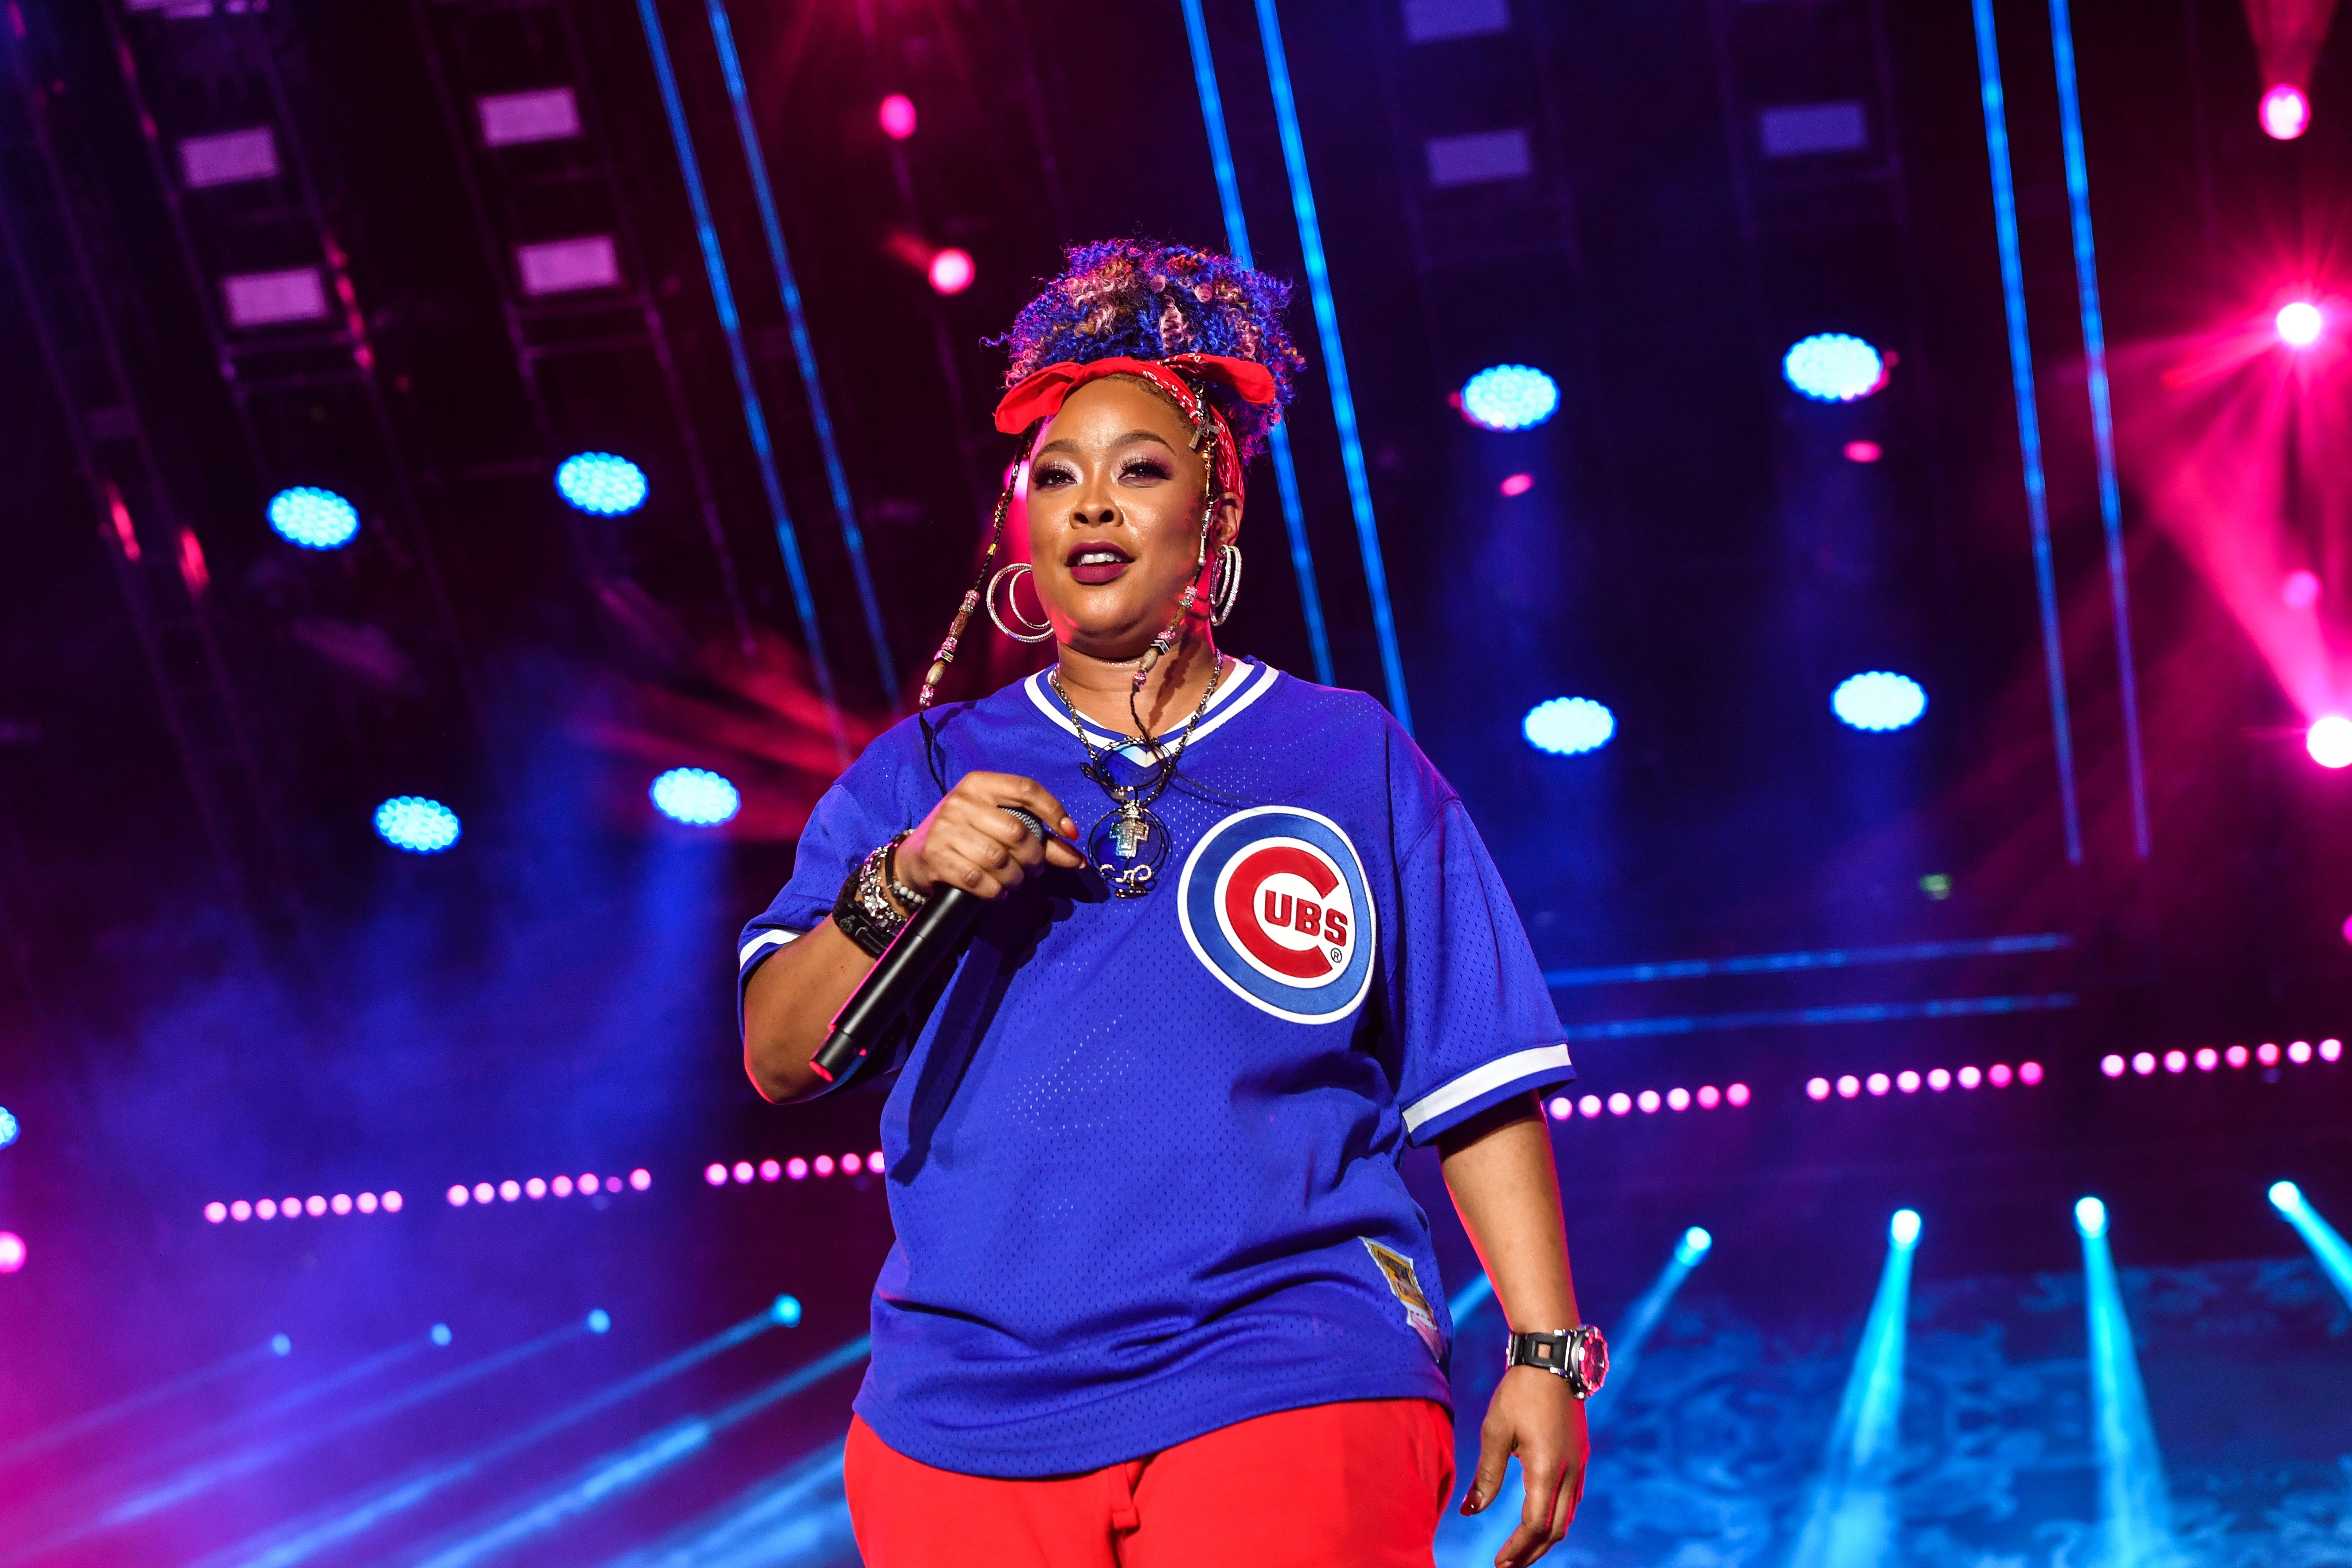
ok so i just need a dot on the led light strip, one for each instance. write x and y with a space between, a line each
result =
1935 1080
315 1206
2269 1054
1649 1102
796 1169
560 1186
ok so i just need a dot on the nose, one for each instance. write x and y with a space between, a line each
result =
1097 514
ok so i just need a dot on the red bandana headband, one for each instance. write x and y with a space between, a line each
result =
1040 395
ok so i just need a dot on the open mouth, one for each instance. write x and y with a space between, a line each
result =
1096 563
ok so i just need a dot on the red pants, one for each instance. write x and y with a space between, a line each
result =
1360 1484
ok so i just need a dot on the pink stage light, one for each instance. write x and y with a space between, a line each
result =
392 1203
2144 1063
484 1192
822 1165
2235 1055
267 1209
2267 1053
1589 1105
874 1163
1621 1104
2029 1073
1562 1108
1737 1095
240 1210
2300 589
560 1186
853 1163
2299 323
742 1171
458 1196
216 1211
771 1171
1939 1080
2207 1059
1648 1101
1969 1077
951 270
715 1174
1518 484
1849 1086
341 1203
897 116
12 1252
1879 1083
2112 1066
510 1189
2331 1050
2329 741
2299 1052
1907 1081
1817 1088
367 1202
2175 1062
1999 1075
2286 113
796 1168
1864 451
640 1179
587 1184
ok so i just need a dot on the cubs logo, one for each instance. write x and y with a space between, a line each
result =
1275 902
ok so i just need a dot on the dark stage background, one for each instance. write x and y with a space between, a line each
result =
417 252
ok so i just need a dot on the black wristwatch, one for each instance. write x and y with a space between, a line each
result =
1579 1355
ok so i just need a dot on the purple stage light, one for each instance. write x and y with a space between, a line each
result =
715 1174
2286 113
2329 741
2299 323
510 1189
560 1186
534 1188
1849 1086
217 1212
2299 590
771 1171
12 1252
796 1168
1864 451
341 1203
743 1171
1517 484
1621 1104
896 117
1648 1101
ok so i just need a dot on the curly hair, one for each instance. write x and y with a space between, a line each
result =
1148 300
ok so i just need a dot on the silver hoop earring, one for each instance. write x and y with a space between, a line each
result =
1228 588
1027 633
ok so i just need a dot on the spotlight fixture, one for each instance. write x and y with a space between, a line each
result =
9 1127
2286 113
785 1310
1568 726
2285 1197
1903 1230
1510 397
417 824
896 117
601 484
12 1252
2090 1218
1695 1245
2299 324
696 797
313 519
599 1320
1833 367
951 270
1879 700
2329 741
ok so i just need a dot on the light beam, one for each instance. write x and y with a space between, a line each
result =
2325 1243
1850 1518
2135 1511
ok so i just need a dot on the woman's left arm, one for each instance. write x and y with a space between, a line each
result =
1498 1167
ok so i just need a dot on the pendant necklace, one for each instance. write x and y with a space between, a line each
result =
1130 842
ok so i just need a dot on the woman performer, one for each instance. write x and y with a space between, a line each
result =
1159 1295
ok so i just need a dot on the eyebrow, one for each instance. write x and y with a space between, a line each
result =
1066 443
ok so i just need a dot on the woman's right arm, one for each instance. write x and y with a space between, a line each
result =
969 841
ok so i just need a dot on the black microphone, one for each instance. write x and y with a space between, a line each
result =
929 939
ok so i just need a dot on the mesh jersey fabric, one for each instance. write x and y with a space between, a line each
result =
1142 1153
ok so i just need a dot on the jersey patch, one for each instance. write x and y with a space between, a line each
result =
1274 901
1404 1284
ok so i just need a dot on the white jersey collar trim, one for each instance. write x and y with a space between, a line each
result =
1236 692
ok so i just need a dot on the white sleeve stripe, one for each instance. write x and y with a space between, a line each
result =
766 938
1503 1071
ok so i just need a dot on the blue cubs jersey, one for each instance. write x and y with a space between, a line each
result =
1142 1153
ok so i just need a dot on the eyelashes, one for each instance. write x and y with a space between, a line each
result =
1134 469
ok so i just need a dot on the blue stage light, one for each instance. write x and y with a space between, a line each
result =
696 797
2091 1219
1903 1230
603 483
1568 726
419 826
785 1310
441 1335
1695 1243
599 1320
281 1344
1833 367
9 1127
1879 700
312 518
1510 397
2285 1197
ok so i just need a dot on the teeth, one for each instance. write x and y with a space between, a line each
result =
1097 557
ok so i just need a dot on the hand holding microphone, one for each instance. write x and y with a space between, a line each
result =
978 844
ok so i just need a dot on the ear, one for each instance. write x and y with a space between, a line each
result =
1228 524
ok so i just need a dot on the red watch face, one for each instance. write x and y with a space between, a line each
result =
1590 1358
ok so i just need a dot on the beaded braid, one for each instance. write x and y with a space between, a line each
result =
946 655
1205 441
